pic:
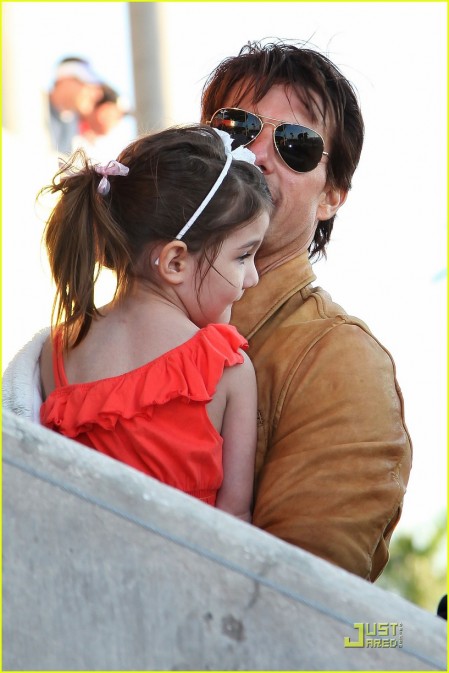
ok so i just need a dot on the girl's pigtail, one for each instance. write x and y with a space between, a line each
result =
78 235
112 247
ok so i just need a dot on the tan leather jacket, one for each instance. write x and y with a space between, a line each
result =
333 455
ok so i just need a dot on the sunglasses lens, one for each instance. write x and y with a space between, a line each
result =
242 126
300 147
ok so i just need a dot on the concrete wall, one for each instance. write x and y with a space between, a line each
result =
106 569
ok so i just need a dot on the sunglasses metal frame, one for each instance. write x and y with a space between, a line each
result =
261 119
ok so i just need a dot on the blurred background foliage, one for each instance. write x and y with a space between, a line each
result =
417 566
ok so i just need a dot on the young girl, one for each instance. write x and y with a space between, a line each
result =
157 378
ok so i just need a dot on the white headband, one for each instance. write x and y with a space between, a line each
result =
242 153
79 70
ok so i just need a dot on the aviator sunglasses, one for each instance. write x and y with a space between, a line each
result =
299 147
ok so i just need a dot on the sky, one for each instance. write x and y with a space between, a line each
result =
387 257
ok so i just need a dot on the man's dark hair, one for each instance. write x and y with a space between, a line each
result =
74 59
319 85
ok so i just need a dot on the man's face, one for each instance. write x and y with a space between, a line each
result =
298 197
77 96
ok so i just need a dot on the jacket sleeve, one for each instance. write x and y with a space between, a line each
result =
339 456
21 383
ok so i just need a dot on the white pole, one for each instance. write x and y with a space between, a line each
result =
150 81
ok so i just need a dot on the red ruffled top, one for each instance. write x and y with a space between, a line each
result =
153 418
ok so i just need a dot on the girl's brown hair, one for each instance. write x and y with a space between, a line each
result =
170 173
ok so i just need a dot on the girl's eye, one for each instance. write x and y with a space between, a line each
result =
243 257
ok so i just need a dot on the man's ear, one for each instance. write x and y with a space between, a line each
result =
172 262
331 200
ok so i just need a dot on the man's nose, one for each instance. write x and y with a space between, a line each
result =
262 146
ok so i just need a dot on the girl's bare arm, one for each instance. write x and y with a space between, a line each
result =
239 432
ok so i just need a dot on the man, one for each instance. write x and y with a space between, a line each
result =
334 455
75 91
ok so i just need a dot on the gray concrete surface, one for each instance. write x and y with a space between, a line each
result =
106 569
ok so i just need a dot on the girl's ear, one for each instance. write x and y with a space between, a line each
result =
172 263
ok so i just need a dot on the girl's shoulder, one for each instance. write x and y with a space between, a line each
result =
190 371
208 351
223 335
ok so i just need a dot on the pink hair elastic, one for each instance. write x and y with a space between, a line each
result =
111 168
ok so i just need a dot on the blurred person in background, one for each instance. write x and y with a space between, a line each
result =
99 134
75 91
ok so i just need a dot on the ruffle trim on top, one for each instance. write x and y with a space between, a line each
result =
190 371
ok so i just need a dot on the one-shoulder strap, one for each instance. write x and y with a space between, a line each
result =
58 361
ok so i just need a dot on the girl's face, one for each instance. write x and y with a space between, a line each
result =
232 273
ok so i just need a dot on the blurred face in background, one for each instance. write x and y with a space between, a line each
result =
75 96
104 117
87 96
